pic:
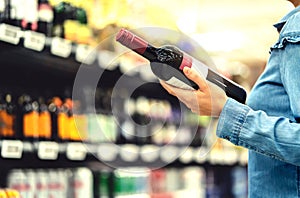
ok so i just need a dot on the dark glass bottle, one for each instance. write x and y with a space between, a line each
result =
44 126
29 117
54 108
46 15
2 115
167 63
10 128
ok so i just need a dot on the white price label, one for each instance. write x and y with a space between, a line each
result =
149 153
48 150
76 151
187 156
12 149
85 54
201 155
108 152
129 153
10 34
61 47
34 40
169 154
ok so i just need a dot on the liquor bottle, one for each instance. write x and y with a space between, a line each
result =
10 121
54 107
44 121
46 15
29 117
167 63
30 15
141 120
2 115
4 11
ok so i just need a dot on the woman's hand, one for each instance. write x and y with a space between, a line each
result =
208 100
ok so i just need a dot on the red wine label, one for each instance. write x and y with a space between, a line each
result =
178 83
187 61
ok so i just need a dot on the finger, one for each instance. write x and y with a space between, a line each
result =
196 77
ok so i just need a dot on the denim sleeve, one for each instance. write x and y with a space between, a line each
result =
275 137
290 72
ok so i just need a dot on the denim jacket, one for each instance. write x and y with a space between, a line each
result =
269 124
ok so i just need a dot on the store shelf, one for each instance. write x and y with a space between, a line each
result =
118 155
31 68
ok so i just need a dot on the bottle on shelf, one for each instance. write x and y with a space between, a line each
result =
58 118
4 10
80 122
167 63
30 18
65 124
44 123
46 15
9 131
28 117
141 119
16 12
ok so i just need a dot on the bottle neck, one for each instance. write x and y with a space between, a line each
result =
136 44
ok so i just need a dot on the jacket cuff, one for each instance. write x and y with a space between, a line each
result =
231 120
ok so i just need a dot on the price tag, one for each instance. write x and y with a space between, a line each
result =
48 150
61 47
85 54
34 40
108 152
10 34
76 151
187 156
169 153
12 149
149 153
201 155
129 153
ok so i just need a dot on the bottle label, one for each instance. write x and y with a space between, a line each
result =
9 123
178 83
63 126
74 132
2 122
30 127
81 123
45 125
190 62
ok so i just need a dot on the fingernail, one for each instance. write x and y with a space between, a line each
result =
186 70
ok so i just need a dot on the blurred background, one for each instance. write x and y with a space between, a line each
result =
56 145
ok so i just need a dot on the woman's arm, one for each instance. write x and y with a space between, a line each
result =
276 137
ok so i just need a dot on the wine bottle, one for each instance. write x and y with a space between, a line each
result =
167 63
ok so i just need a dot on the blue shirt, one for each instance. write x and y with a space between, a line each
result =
267 125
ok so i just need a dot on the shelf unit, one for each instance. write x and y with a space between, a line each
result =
24 69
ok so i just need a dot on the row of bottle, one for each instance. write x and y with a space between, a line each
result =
9 193
48 17
48 183
25 118
138 121
166 182
127 182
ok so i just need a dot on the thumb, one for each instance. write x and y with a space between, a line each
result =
193 75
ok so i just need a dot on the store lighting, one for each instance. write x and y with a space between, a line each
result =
223 41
